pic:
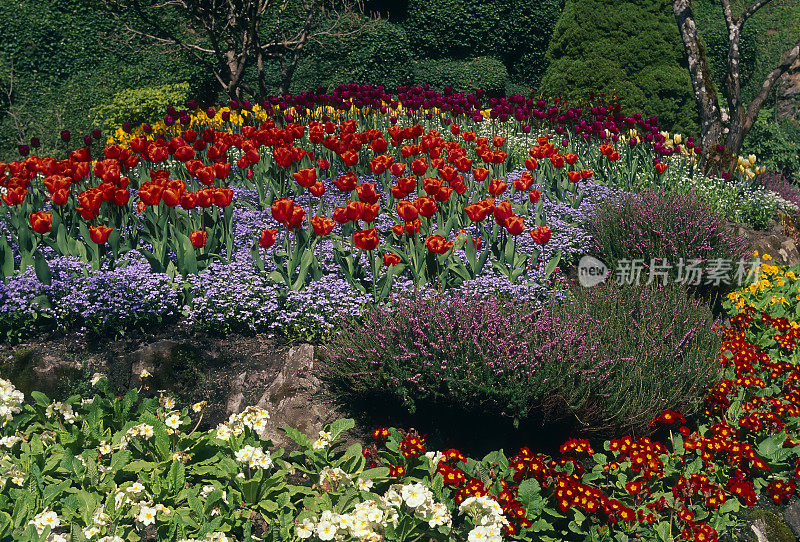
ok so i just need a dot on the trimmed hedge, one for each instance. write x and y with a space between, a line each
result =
628 49
488 74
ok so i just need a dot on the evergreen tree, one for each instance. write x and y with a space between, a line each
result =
628 49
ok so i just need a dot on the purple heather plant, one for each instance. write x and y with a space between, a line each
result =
608 357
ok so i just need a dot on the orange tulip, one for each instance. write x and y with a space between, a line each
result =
267 238
438 244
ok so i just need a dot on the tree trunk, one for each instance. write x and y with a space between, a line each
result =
705 94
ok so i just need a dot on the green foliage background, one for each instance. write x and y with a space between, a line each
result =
628 49
69 69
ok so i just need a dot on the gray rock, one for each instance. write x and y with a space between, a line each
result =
791 514
235 402
787 96
288 398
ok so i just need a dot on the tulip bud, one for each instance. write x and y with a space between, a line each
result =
65 135
35 143
87 140
96 133
24 150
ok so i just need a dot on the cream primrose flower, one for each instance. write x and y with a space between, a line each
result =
45 518
54 537
435 458
305 529
197 407
9 441
364 485
104 448
147 515
326 530
10 400
169 403
91 532
97 377
415 495
320 444
173 421
144 374
223 432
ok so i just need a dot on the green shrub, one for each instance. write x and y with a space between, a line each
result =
136 106
516 32
607 357
377 55
775 143
488 74
628 49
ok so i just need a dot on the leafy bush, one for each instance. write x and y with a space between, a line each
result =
775 143
136 106
516 32
669 227
378 55
628 49
488 74
606 357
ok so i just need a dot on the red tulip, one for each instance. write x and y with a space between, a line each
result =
366 239
41 222
502 212
407 184
99 234
295 221
370 212
350 158
183 153
661 167
557 160
574 176
534 195
475 212
121 197
541 235
480 174
223 197
431 185
318 189
60 197
523 182
391 259
531 164
306 177
322 225
198 238
346 182
587 173
282 209
426 206
497 187
498 141
340 215
188 200
267 238
398 169
366 193
419 167
438 244
222 170
515 225
205 198
571 158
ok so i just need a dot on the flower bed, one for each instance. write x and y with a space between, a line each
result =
104 467
275 217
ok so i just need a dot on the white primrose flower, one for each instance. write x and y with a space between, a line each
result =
364 485
320 444
305 529
9 441
223 432
173 421
415 495
326 530
91 532
169 403
144 374
435 458
104 448
45 518
54 537
97 377
147 515
10 400
197 407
